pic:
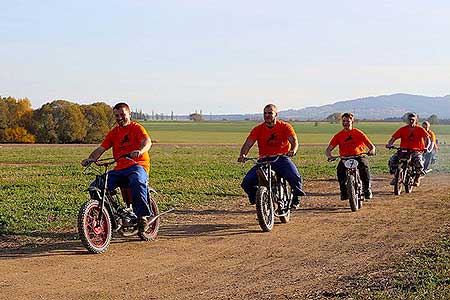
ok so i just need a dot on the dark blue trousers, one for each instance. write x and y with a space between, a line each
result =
137 179
283 167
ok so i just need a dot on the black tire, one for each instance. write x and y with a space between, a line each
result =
285 219
264 209
151 233
351 192
398 181
408 183
95 237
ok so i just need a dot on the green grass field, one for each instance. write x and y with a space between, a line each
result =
236 132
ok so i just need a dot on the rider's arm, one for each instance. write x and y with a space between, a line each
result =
146 144
93 156
245 149
328 152
294 145
390 143
372 149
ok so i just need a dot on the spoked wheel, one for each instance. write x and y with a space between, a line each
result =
287 217
264 209
408 183
351 192
151 233
398 181
94 234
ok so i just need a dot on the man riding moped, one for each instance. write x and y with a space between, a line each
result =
274 137
351 142
414 138
128 138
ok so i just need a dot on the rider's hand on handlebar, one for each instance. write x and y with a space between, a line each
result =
330 158
135 154
371 152
388 146
241 158
290 153
86 162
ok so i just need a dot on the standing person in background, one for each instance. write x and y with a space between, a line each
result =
429 156
274 137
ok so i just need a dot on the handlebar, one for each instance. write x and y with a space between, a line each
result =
257 161
408 149
106 162
333 158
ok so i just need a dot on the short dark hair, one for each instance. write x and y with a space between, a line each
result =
121 105
273 106
347 115
410 115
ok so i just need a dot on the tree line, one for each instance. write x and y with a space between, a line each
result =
57 122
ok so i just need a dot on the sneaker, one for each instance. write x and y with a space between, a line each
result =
295 202
392 181
416 181
344 197
368 194
143 224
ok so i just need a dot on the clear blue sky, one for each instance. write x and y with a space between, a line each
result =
222 56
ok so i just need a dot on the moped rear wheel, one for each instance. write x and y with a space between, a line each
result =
398 182
351 192
151 233
94 234
264 209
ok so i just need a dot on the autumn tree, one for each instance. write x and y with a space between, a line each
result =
334 117
59 121
99 119
15 117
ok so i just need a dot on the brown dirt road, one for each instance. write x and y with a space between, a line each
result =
219 252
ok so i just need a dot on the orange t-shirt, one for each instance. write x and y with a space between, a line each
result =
433 139
123 140
411 138
272 140
350 142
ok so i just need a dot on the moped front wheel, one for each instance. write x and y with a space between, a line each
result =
408 182
398 182
95 234
152 231
351 192
264 209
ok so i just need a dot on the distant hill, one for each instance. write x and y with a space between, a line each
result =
380 107
372 108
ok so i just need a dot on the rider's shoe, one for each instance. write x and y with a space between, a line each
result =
368 194
295 202
392 181
416 181
143 224
344 197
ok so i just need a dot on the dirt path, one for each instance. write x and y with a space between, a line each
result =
220 253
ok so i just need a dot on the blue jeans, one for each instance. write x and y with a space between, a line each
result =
283 167
428 159
136 178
